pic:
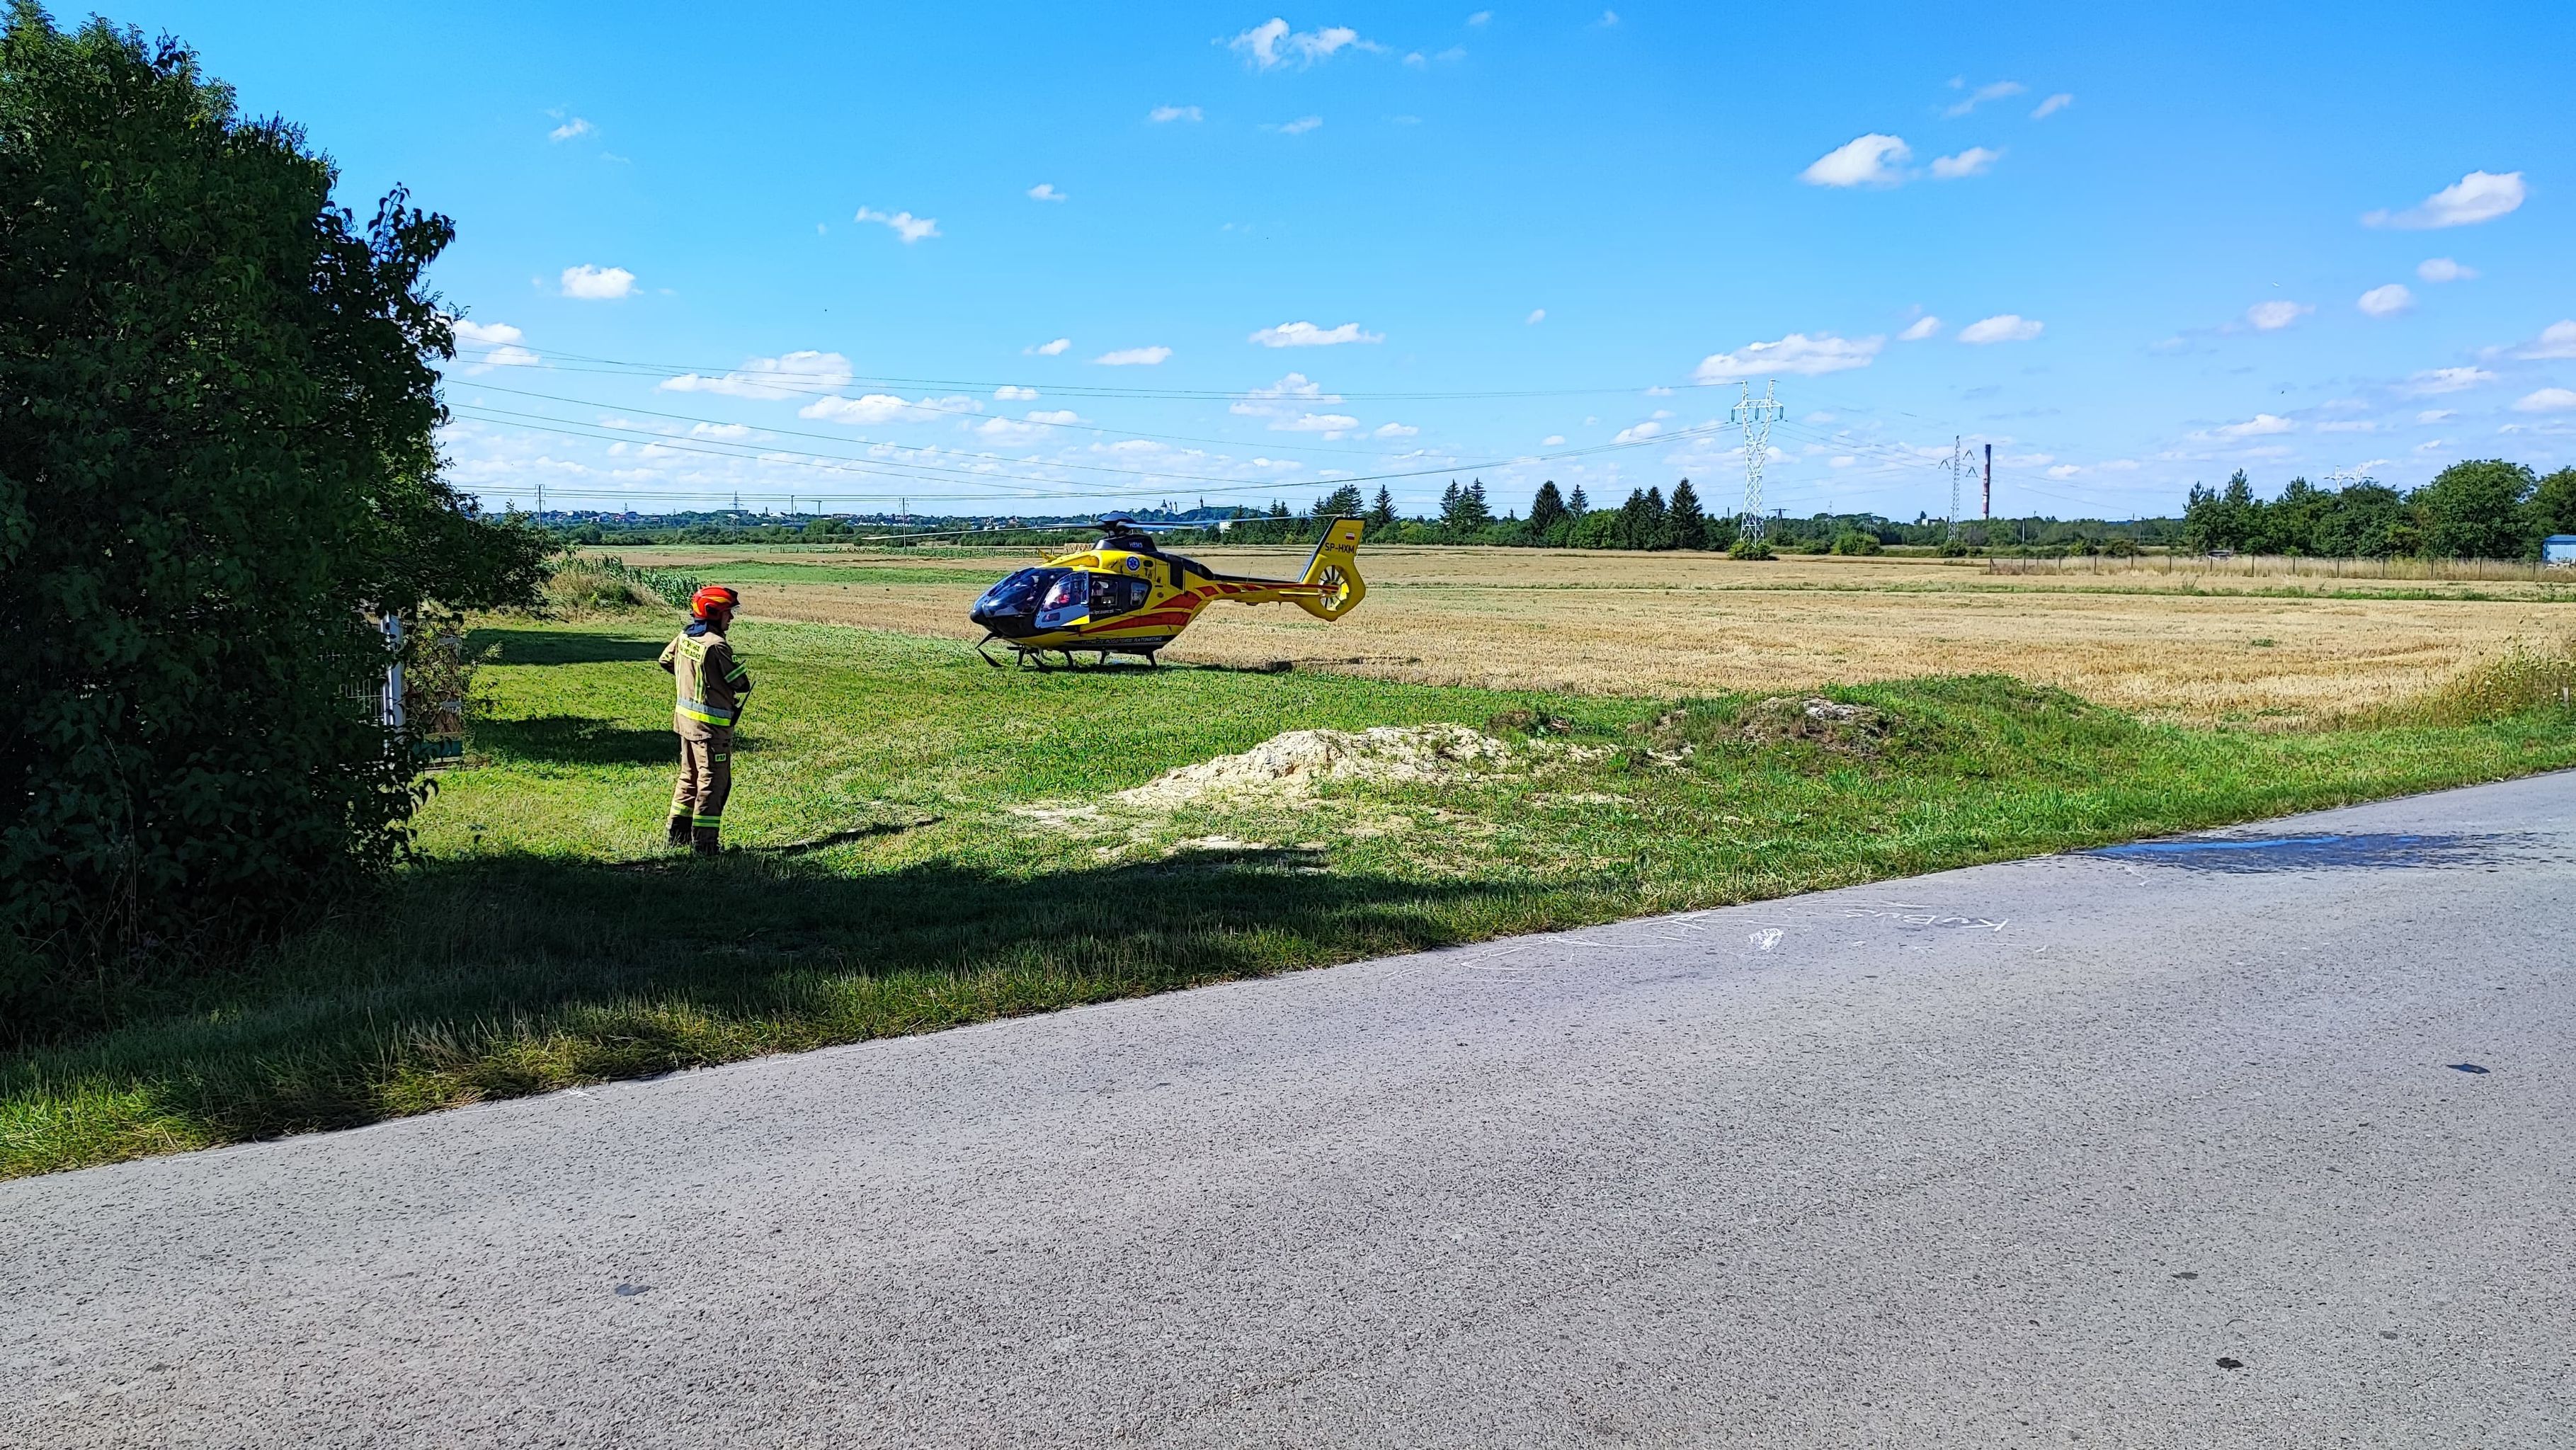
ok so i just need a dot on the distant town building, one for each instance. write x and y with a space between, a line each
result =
2559 550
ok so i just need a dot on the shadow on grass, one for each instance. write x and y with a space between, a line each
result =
575 740
562 647
513 975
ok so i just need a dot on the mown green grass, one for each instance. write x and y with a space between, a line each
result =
887 884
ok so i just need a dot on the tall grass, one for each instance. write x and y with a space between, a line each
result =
586 586
2522 681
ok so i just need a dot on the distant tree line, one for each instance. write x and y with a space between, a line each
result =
2481 509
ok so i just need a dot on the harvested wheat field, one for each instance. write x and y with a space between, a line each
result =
2242 639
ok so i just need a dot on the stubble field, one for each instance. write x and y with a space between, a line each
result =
2288 641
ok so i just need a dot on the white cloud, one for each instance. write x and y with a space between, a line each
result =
2547 400
792 375
1797 353
2064 471
1553 440
1048 349
1395 430
2443 269
903 223
1009 393
505 356
2260 425
1035 423
1307 334
2052 105
2358 426
2437 381
1129 357
1639 433
1864 161
884 408
1162 115
1480 17
2431 416
2557 340
1982 94
1045 191
1272 44
1609 17
569 130
1298 127
2002 327
723 432
1975 161
598 284
2480 196
489 334
1537 316
1328 424
2386 301
1260 402
2274 315
1919 329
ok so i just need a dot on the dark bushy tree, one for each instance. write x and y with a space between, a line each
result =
1547 510
1342 503
2477 510
1464 511
216 465
2553 503
1685 526
2212 519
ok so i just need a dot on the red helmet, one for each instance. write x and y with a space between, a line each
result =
714 596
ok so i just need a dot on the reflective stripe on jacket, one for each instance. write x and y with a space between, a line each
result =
710 683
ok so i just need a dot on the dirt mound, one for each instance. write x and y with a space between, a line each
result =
1299 760
1857 729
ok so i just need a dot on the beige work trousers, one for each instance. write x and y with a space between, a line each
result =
706 779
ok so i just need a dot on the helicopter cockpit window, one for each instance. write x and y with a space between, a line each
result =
1067 589
1117 594
1020 593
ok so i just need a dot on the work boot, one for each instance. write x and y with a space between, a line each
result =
679 833
703 840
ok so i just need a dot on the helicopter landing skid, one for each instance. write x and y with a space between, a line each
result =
1027 658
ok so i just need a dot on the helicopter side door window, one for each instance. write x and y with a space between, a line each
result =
1117 594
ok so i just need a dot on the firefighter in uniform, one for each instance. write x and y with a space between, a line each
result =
711 685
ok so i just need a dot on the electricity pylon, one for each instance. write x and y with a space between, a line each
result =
1755 416
1960 467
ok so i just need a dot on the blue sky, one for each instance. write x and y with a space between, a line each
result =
827 252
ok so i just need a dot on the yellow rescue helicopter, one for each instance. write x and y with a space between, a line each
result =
1125 596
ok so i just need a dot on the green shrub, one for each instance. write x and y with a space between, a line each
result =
1853 541
217 472
1749 547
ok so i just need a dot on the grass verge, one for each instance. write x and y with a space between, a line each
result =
907 863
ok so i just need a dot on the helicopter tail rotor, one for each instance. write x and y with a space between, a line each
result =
1336 567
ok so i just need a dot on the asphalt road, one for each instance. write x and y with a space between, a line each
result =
2141 1149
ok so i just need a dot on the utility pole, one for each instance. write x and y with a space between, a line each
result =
1990 483
541 497
1755 416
